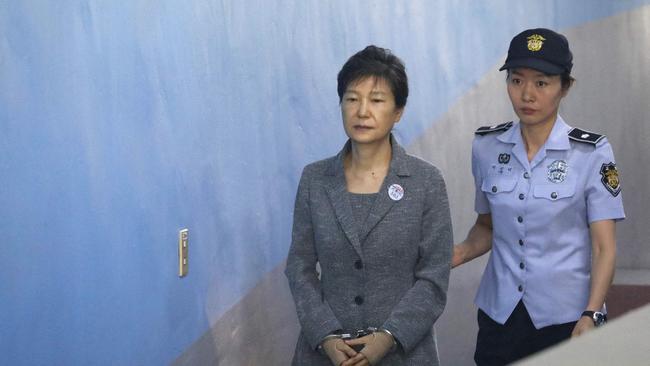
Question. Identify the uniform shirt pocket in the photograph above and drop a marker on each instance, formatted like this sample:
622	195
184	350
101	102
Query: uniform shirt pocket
554	192
497	185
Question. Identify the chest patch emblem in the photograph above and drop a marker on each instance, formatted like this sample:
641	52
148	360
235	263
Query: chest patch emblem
609	178
557	171
504	158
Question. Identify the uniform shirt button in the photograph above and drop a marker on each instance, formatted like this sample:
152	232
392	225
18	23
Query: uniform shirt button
521	242
520	219
521	265
358	300
526	175
494	189
358	264
554	195
520	288
521	196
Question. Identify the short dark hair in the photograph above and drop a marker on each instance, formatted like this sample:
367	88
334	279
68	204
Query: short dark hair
567	80
376	62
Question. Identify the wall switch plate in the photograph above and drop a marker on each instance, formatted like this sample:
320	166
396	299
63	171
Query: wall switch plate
183	251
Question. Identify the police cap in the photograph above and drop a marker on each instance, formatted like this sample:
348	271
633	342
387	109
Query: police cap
540	49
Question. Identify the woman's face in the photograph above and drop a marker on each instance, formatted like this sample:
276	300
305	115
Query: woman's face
368	110
535	96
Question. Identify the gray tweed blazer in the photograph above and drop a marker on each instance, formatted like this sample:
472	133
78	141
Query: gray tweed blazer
393	273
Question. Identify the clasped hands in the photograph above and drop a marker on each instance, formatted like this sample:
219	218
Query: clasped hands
374	347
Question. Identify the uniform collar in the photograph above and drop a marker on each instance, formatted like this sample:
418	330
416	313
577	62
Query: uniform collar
557	140
559	137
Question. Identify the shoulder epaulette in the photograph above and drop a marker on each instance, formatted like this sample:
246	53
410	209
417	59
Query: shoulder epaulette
489	129
587	137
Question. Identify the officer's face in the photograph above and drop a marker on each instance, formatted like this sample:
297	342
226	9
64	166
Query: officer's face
368	110
535	96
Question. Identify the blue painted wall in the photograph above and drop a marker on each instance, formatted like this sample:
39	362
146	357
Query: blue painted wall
123	122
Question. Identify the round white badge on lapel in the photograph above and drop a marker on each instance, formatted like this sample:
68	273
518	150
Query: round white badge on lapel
395	192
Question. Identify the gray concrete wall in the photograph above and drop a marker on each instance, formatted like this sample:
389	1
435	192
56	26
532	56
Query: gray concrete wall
261	330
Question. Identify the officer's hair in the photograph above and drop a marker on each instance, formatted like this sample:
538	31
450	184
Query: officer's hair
376	62
566	79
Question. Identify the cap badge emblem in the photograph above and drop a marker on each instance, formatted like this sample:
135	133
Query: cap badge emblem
535	42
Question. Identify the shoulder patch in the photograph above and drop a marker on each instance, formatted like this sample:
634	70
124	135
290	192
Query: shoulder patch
587	137
610	179
489	129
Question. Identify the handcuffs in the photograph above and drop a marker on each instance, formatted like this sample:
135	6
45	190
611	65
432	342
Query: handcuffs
358	334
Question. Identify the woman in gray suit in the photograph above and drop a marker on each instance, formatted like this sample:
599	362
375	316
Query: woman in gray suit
377	222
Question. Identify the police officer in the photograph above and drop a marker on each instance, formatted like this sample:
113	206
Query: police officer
547	198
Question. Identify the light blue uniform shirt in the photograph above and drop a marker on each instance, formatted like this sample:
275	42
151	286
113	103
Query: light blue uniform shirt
541	211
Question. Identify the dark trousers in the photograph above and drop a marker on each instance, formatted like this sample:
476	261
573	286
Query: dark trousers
501	344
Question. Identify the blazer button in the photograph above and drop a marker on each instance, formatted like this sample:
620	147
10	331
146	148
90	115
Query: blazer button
520	219
521	265
494	189
521	242
526	175
521	196
358	300
358	264
554	195
520	288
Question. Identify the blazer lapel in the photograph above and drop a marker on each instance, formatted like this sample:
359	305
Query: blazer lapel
337	192
384	202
